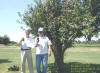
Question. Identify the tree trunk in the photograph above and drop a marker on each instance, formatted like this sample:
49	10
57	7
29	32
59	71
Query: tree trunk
89	37
59	60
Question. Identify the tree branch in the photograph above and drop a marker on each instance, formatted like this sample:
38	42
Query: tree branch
68	43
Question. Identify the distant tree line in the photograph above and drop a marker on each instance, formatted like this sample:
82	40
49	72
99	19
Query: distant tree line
5	40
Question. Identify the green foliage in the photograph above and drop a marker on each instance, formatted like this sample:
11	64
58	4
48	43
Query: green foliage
12	43
4	40
94	9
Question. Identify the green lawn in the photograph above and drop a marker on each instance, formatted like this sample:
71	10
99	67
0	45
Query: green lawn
75	57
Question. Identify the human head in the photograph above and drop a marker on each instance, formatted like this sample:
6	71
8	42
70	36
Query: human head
27	32
40	32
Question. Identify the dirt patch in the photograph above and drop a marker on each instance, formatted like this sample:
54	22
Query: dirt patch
1	45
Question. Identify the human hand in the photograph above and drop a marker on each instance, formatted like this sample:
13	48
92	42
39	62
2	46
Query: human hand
37	41
49	53
22	39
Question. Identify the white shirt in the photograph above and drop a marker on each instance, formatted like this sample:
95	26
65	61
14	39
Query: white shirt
43	45
28	43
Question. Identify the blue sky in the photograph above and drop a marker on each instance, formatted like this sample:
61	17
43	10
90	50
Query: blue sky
9	16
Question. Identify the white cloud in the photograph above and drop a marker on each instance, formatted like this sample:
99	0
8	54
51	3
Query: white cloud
95	38
84	39
16	36
80	39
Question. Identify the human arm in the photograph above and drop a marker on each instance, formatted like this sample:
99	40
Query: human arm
20	42
49	47
36	42
49	50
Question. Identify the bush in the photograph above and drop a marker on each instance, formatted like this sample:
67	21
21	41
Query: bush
4	40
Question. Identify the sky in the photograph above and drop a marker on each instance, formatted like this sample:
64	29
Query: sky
9	16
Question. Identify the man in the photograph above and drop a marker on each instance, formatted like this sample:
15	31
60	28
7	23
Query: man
43	50
26	45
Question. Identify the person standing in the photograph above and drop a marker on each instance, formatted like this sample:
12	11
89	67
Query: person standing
43	50
26	45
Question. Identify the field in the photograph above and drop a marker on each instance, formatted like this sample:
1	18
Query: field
81	58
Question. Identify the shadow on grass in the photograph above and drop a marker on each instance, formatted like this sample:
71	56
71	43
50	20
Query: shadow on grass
4	61
76	67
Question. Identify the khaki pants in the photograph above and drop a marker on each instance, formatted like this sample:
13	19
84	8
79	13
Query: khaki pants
26	54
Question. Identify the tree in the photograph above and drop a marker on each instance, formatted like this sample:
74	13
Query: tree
4	40
63	21
1	40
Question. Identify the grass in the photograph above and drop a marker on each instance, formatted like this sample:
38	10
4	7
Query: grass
77	59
